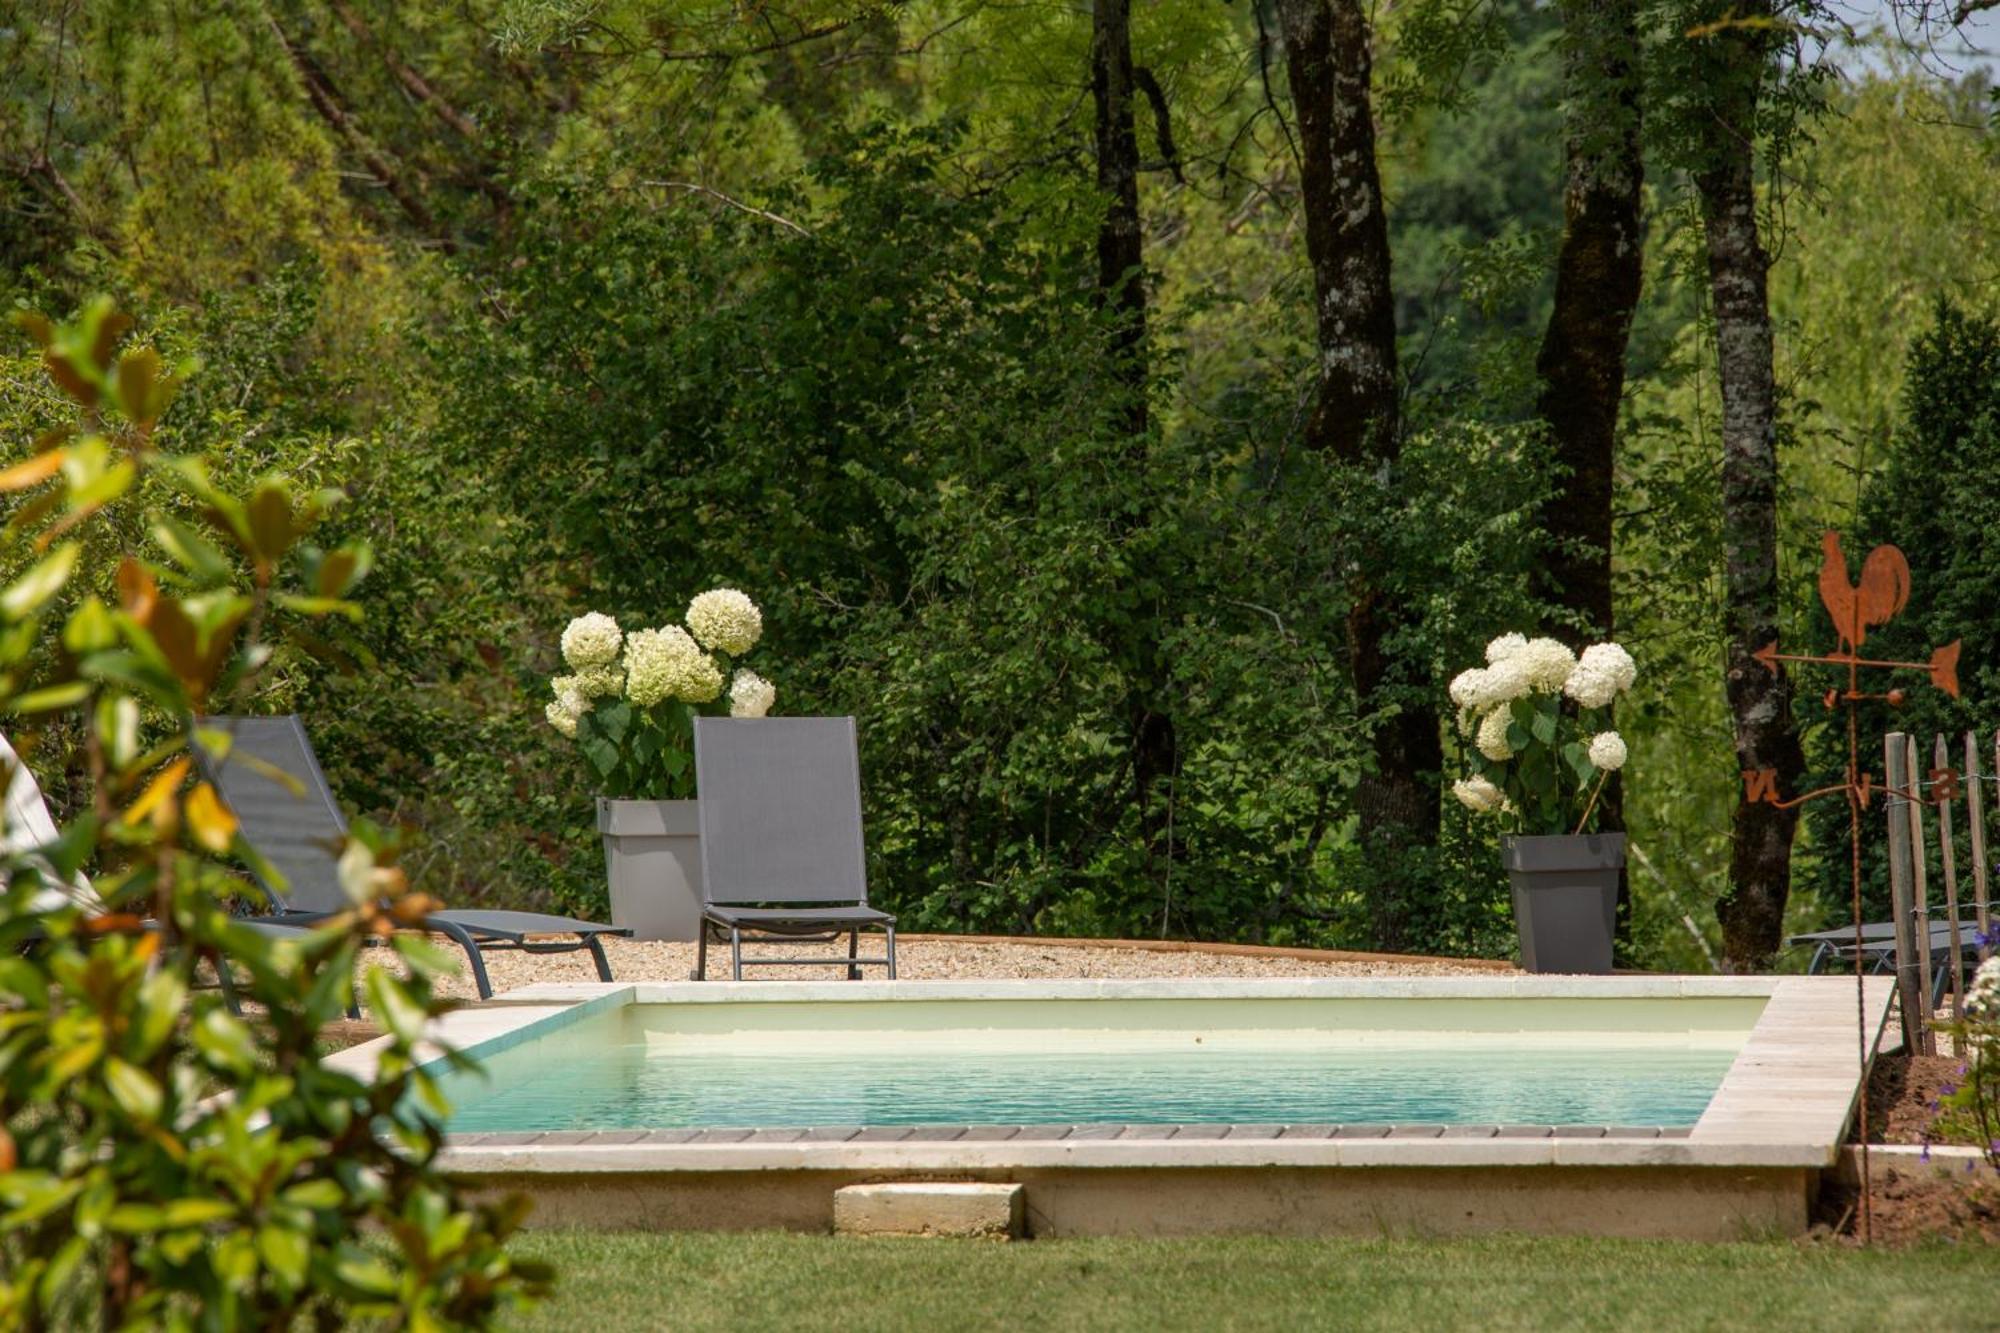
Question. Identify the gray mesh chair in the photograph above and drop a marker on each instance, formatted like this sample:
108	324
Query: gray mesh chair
28	827
781	853
300	835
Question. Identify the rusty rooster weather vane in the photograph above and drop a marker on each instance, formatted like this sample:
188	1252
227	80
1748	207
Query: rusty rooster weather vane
1883	592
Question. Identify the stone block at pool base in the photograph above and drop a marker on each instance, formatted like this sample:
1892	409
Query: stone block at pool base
929	1208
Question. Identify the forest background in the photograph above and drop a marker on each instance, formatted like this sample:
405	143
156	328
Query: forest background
991	347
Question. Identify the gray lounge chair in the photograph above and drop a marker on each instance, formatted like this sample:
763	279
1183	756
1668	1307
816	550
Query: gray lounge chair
1878	949
781	852
300	834
29	827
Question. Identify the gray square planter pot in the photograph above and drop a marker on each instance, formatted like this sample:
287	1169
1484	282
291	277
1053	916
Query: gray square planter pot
1565	898
652	857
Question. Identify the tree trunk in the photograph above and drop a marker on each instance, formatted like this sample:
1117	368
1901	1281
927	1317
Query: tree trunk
1760	703
1121	286
1355	415
1121	295
1599	272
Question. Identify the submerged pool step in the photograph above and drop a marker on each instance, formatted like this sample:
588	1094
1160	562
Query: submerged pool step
930	1208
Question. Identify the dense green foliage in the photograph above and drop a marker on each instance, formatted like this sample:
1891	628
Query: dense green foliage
164	1161
593	306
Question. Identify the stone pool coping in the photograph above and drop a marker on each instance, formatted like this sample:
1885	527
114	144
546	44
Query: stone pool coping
1784	1103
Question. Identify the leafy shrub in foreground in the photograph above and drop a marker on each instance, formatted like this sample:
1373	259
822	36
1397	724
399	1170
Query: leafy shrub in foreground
165	1163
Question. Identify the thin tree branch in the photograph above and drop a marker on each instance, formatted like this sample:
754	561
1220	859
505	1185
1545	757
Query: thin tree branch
325	99
695	187
1142	78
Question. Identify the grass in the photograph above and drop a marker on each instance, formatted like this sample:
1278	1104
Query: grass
620	1281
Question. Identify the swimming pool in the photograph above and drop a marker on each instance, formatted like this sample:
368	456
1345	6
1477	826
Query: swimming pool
1154	1107
1245	1059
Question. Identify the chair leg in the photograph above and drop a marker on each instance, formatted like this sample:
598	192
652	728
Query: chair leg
853	952
225	983
736	953
596	946
701	951
891	931
457	934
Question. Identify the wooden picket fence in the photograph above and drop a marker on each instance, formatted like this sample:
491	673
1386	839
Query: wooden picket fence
1922	801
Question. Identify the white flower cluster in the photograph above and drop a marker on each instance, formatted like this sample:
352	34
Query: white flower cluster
1518	667
591	640
663	664
1604	672
1982	993
726	621
750	695
649	667
1479	794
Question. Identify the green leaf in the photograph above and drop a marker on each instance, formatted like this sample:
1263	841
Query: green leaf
194	1212
365	1272
192	551
136	1092
1543	726
285	1253
393	1007
39	584
51	698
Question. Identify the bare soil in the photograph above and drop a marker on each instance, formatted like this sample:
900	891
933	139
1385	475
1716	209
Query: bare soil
1903	1093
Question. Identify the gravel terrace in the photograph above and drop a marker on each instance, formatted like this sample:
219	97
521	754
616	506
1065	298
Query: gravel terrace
939	958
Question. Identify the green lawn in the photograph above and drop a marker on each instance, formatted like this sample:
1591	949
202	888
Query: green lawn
681	1282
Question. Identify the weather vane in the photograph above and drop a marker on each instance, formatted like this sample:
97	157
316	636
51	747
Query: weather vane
1884	591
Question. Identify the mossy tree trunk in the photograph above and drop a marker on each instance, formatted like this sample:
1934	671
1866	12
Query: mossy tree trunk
1599	274
1760	703
1355	415
1121	293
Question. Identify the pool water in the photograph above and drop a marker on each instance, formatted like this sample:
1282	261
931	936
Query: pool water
631	1083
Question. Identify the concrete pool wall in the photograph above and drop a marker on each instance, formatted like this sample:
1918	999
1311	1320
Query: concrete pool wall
1748	1166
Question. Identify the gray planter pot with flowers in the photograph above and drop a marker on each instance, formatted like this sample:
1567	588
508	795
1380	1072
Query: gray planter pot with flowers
1539	718
630	704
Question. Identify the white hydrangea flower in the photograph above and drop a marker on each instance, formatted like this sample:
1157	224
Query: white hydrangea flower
725	620
605	682
1545	662
1505	647
591	640
663	664
1607	751
1478	794
1482	688
1492	739
1604	672
1982	993
564	711
1468	687
750	695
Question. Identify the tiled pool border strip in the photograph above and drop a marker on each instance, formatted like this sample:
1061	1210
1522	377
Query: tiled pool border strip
1206	1133
1785	1101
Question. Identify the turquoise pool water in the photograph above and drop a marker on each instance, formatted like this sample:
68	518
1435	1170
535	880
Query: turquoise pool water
557	1084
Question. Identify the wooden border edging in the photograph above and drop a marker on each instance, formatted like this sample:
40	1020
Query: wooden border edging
1227	950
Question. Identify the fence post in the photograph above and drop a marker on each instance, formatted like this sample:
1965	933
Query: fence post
1920	887
1909	1000
1948	858
1976	816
